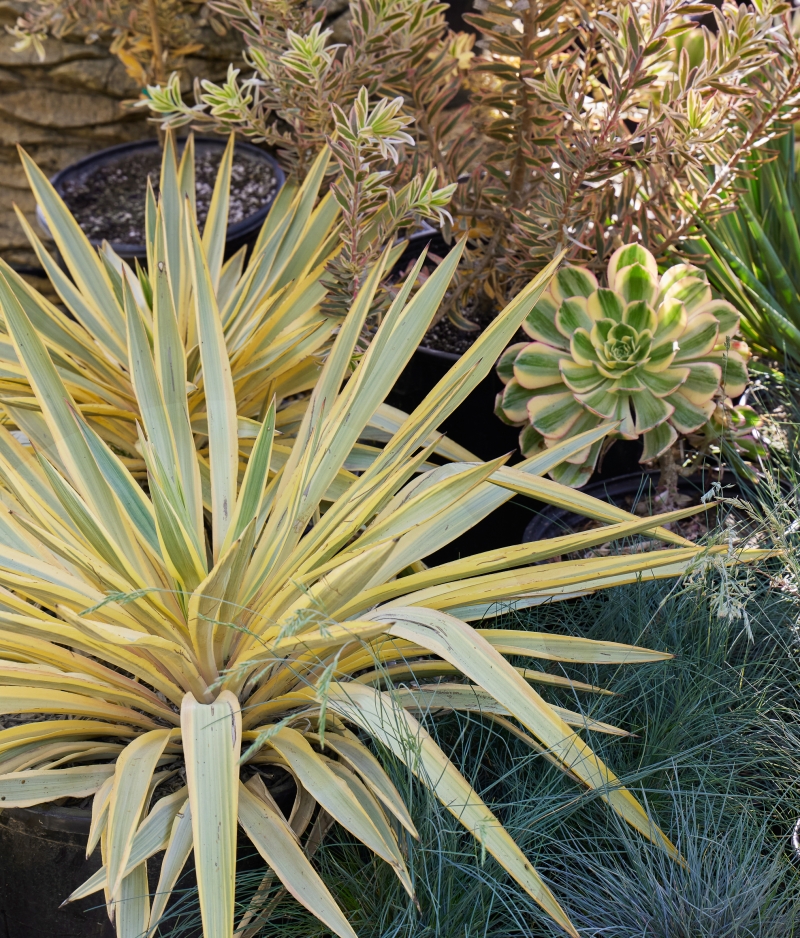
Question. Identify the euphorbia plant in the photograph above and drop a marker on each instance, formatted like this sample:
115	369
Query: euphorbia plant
652	356
245	611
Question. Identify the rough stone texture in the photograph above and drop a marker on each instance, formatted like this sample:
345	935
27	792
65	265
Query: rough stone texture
74	102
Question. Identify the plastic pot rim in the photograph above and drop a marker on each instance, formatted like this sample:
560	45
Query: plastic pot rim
102	157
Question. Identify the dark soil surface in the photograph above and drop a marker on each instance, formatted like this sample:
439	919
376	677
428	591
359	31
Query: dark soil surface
444	335
447	337
109	203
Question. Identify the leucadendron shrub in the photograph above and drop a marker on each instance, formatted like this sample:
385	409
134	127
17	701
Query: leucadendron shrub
239	611
650	356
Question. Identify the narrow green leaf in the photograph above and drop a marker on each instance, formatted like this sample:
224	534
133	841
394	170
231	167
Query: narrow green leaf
132	776
177	853
212	737
216	226
277	844
219	393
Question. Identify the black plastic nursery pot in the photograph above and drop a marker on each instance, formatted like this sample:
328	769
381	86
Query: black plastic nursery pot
625	491
474	425
42	860
80	181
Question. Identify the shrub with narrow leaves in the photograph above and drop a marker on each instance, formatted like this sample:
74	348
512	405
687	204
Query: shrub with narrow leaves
652	355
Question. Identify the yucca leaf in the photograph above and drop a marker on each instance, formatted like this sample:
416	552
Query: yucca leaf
505	558
152	836
473	699
216	226
212	737
276	843
230	275
567	648
181	553
220	398
99	820
150	209
23	475
155	416
387	420
379	820
78	305
58	408
279	215
132	775
331	793
408	740
85	267
430	494
132	908
298	227
172	208
58	331
14	673
454	641
562	496
36	786
186	174
138	509
177	853
208	595
255	479
170	360
362	761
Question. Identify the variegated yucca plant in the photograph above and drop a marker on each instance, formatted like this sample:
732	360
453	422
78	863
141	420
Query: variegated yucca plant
236	612
270	312
655	355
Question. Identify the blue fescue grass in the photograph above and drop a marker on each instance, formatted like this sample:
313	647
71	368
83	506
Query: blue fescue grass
716	759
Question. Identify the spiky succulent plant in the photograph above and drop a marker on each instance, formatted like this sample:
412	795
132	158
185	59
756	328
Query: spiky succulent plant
246	611
652	355
270	308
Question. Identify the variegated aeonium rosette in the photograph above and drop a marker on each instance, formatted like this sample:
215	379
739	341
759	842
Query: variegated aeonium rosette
655	354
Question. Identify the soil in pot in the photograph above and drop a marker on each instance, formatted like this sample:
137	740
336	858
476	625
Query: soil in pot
109	203
444	336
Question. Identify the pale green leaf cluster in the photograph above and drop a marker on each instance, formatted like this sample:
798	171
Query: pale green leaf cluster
365	139
651	356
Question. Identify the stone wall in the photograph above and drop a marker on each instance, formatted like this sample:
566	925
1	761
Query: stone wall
71	104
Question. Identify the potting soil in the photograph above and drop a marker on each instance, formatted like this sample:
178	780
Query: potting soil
109	203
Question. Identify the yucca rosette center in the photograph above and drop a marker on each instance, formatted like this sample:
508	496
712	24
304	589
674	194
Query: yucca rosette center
652	354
